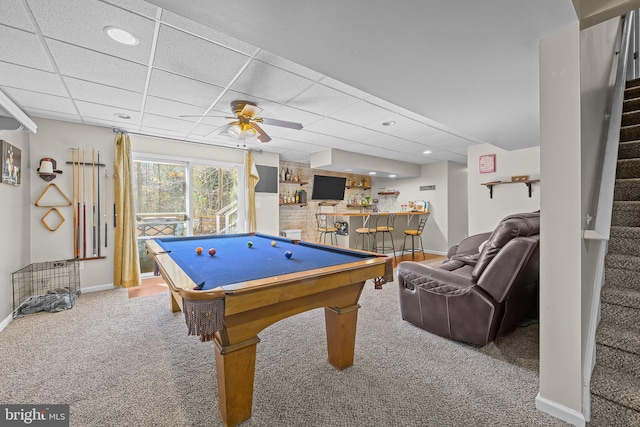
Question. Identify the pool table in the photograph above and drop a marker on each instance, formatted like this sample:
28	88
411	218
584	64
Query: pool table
250	284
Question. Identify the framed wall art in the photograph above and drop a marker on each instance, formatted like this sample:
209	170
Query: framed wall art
11	164
488	163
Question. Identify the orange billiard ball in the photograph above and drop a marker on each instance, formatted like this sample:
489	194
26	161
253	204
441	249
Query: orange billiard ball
212	251
199	250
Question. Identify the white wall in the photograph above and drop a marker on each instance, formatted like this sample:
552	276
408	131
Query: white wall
484	212
267	208
561	235
447	224
14	215
55	140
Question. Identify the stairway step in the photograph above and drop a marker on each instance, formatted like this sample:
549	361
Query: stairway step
613	358
629	105
631	132
631	117
628	168
626	214
622	278
627	189
621	315
623	298
632	92
622	261
632	83
618	337
624	240
616	386
605	413
629	149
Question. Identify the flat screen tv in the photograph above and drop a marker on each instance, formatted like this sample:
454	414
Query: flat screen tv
328	187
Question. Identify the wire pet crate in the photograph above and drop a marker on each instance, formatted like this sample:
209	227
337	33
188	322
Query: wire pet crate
45	286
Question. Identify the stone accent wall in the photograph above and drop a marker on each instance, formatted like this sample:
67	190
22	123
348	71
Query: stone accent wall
303	217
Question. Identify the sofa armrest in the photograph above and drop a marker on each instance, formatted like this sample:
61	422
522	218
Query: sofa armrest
436	280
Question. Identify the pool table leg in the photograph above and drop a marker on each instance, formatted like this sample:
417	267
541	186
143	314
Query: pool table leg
235	368
341	334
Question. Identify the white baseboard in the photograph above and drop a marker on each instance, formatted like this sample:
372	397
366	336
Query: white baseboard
560	411
436	253
6	322
97	288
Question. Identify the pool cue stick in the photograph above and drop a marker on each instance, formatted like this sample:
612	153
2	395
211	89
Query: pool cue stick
106	199
93	201
99	247
78	201
84	203
73	180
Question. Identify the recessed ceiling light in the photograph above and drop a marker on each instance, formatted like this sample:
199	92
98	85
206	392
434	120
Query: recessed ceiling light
121	36
372	173
393	175
426	152
389	123
122	116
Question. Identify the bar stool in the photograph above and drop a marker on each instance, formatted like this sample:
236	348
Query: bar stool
324	228
385	229
414	233
368	231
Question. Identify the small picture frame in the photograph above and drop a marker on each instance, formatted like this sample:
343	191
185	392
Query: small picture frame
11	158
487	163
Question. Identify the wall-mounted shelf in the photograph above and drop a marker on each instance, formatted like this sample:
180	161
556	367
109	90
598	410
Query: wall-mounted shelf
294	182
389	193
360	187
328	204
293	204
358	206
490	185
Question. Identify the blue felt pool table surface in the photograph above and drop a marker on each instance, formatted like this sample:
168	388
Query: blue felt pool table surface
236	262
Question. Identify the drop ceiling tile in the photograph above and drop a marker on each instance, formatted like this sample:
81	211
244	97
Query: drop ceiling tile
102	94
182	89
24	49
119	123
55	115
215	120
96	67
307	137
417	132
140	7
269	82
202	60
173	109
401	122
16	76
342	87
206	32
42	101
458	146
161	122
290	66
360	113
13	14
323	100
161	132
203	130
438	139
330	127
382	103
106	112
82	24
452	157
360	134
294	115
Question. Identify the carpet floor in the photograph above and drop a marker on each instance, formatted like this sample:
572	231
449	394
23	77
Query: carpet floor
122	361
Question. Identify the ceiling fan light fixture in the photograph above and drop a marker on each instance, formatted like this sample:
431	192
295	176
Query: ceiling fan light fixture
121	36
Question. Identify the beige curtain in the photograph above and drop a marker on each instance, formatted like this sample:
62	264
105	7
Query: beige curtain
126	271
252	180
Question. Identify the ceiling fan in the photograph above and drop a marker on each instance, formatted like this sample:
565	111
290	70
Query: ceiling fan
245	123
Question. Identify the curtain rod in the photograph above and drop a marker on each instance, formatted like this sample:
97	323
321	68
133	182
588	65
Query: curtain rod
118	130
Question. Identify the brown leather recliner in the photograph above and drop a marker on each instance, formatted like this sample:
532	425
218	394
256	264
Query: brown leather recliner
488	284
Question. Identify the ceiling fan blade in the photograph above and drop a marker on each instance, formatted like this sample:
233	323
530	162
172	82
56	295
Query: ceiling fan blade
206	115
282	123
262	135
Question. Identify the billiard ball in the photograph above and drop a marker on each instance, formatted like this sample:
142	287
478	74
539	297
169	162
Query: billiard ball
288	254
212	251
249	244
273	243
199	250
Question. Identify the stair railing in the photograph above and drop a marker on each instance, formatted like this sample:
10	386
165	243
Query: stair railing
598	221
